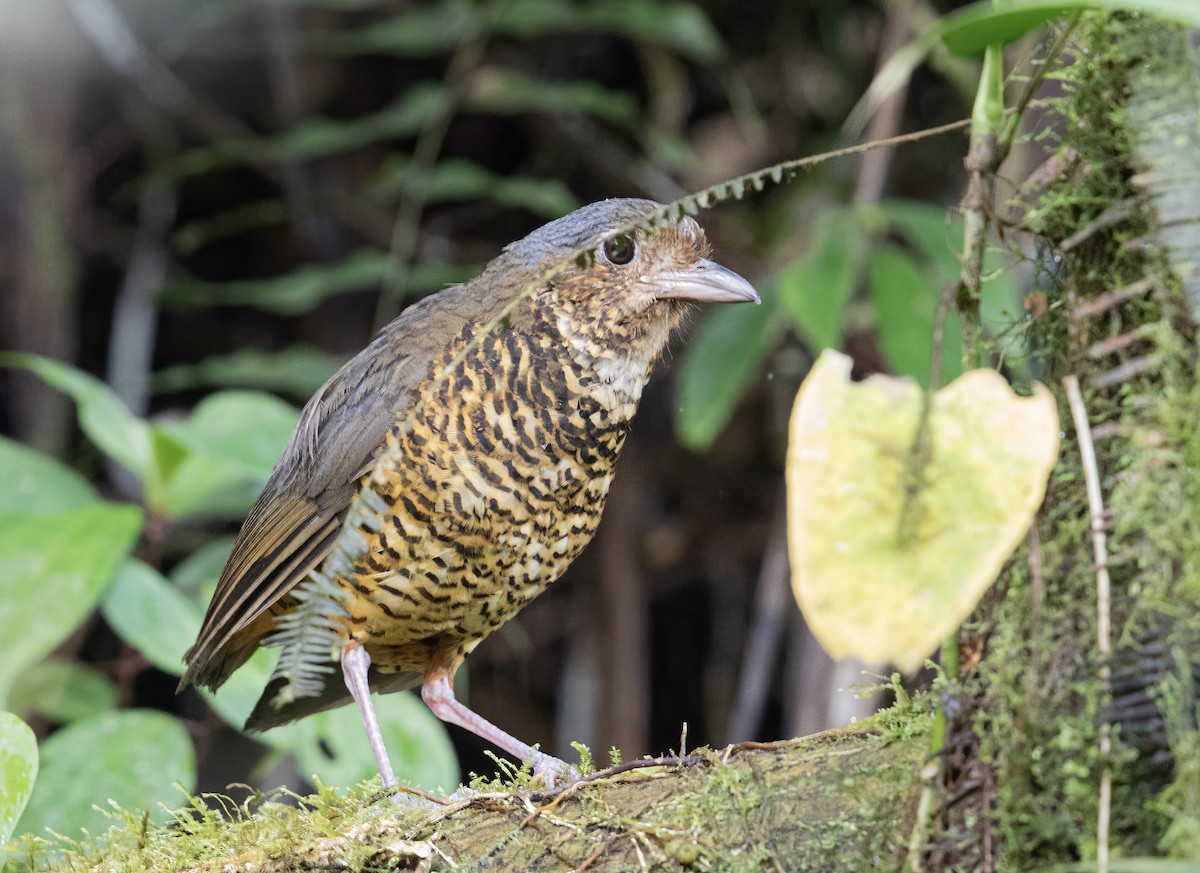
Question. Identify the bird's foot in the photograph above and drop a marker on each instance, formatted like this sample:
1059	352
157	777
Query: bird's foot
406	800
553	771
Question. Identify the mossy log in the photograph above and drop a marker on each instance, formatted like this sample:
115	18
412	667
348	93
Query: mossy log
841	801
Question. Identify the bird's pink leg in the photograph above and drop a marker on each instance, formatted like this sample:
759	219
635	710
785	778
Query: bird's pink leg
355	664
438	695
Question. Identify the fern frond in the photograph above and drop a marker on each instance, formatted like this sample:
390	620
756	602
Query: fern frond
310	635
309	639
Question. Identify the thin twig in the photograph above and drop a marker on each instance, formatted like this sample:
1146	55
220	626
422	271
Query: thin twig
1091	478
920	831
1115	214
1026	99
1110	299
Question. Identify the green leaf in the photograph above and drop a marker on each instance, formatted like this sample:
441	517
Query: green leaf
103	416
415	33
720	360
972	29
509	92
460	179
36	484
303	288
905	300
297	371
55	570
933	237
197	574
333	745
131	758
814	289
201	232
63	691
247	428
681	27
933	232
18	771
311	138
231	442
969	31
147	612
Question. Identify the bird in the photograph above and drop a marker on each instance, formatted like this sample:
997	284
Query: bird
484	423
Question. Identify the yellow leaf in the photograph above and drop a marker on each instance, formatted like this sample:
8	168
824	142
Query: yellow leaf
866	589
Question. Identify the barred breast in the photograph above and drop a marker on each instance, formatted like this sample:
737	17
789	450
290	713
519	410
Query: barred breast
495	483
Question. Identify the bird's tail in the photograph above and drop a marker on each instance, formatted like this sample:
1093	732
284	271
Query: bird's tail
267	715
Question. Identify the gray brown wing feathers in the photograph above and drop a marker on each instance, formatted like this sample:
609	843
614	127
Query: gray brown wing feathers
296	519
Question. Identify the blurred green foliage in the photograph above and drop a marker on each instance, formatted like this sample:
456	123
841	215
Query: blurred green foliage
879	269
66	552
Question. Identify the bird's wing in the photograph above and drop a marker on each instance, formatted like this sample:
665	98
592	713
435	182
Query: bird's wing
296	520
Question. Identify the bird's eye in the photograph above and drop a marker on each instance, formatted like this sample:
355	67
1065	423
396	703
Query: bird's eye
620	249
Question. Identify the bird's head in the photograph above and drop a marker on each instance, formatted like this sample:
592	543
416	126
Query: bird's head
616	310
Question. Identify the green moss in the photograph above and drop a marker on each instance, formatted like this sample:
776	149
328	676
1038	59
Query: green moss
838	802
1039	702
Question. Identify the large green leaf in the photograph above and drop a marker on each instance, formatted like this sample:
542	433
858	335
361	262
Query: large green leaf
933	237
133	758
62	691
18	771
103	416
36	484
312	137
883	568
197	574
230	442
247	428
415	33
333	745
720	360
905	300
933	232
53	571
151	615
814	289
494	91
154	617
970	30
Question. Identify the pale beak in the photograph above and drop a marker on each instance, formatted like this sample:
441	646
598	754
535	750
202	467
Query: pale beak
704	282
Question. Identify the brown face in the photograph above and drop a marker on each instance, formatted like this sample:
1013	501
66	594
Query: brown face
639	288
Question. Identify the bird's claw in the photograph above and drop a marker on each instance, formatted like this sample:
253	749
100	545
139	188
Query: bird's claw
553	771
